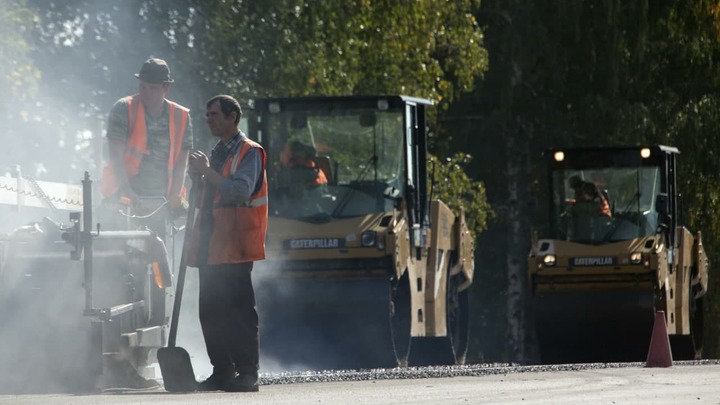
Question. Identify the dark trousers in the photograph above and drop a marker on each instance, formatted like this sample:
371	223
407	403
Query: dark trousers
228	317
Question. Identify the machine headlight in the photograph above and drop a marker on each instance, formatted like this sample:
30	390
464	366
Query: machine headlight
549	260
368	238
636	258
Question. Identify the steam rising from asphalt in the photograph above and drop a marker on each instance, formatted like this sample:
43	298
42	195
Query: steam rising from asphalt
40	337
45	337
190	333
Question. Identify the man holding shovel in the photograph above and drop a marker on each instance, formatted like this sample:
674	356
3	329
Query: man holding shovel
228	236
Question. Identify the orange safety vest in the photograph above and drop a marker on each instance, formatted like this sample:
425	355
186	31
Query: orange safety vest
320	178
136	147
604	206
238	230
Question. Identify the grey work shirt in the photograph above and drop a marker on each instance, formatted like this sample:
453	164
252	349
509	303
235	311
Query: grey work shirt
152	177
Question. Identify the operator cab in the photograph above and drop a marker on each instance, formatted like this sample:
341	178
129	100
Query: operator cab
331	158
606	195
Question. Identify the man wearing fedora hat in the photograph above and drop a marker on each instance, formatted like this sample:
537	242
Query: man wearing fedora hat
149	138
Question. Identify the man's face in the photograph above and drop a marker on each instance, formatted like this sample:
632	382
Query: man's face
153	94
217	122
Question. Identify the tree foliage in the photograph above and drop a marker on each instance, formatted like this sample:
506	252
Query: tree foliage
292	47
18	75
451	184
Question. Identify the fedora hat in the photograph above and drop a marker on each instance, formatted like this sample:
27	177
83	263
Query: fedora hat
155	70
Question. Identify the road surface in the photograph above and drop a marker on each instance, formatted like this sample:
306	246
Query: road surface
628	384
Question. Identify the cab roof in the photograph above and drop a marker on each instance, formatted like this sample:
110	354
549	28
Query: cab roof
320	99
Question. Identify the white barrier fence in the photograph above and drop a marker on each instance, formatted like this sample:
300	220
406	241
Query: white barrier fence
22	191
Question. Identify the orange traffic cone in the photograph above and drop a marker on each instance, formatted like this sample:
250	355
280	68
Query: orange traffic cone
659	354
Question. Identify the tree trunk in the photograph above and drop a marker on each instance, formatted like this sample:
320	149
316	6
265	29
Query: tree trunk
518	137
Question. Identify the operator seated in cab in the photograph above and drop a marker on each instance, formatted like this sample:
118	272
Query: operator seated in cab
588	198
299	172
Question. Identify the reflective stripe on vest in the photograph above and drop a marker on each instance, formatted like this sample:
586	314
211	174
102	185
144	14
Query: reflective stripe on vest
252	203
257	202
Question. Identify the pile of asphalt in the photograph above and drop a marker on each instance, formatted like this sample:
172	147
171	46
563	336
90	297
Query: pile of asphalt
470	370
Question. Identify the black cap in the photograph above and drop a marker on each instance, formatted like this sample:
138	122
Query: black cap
155	71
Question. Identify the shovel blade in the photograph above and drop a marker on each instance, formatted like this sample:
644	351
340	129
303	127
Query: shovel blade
176	369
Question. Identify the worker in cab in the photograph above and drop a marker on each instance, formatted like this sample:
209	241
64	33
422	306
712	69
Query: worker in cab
588	198
298	171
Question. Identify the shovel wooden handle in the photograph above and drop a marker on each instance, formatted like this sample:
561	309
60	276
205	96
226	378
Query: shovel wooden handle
194	195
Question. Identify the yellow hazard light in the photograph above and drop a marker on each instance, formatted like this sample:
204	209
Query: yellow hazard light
559	156
645	153
157	275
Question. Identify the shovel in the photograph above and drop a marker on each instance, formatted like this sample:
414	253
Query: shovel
175	365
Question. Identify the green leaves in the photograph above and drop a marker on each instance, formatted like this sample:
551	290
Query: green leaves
451	184
430	49
18	76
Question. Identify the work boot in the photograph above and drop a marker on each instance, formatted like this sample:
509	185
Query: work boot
242	383
216	381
